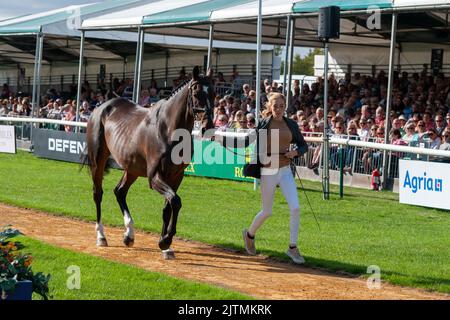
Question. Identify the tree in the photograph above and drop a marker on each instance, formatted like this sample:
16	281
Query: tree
305	65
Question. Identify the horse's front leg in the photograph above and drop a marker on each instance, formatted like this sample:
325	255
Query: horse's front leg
170	211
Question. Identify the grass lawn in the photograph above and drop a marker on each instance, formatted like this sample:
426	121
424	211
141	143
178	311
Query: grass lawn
410	244
105	280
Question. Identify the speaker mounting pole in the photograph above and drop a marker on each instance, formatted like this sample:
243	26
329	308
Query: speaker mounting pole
329	25
326	139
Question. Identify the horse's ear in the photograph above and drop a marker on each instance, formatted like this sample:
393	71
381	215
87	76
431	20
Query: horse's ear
210	73
196	73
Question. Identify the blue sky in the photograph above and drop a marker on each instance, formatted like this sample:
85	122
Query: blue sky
24	7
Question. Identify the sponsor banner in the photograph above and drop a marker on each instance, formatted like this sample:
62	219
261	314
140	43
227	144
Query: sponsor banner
59	145
219	162
209	160
425	183
7	139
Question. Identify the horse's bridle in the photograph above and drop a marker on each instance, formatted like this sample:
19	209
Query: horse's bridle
195	109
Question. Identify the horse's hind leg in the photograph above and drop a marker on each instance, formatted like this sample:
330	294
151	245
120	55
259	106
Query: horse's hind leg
121	191
97	177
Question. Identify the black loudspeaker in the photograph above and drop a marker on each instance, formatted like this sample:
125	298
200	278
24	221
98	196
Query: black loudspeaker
329	23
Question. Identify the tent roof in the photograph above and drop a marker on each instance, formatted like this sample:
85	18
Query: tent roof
134	16
315	5
35	23
200	11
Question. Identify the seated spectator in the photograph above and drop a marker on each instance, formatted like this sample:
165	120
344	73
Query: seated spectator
434	139
25	109
239	121
305	129
85	113
410	134
251	121
153	96
4	108
70	116
440	124
13	112
446	140
380	117
421	131
222	122
128	89
54	112
219	111
428	121
364	130
144	99
246	92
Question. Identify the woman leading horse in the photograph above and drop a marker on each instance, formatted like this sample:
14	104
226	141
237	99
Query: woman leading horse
140	141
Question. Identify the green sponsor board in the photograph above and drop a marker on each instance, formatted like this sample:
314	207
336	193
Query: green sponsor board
212	160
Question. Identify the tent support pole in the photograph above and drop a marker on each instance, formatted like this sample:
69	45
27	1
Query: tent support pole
291	61
389	98
39	71
138	64
34	102
34	106
210	47
80	71
258	71
286	48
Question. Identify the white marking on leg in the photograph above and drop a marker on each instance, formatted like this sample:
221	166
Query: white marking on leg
100	231
129	224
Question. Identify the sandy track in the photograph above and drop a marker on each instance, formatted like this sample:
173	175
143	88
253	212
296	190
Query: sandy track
258	276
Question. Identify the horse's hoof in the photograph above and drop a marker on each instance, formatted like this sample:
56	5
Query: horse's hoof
102	242
128	241
168	254
164	243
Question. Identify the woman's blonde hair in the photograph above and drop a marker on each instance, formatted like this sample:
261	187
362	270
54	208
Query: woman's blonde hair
272	97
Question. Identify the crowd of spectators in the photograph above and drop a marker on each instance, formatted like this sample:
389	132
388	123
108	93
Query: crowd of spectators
419	115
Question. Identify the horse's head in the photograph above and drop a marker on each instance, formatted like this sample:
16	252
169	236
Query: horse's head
203	94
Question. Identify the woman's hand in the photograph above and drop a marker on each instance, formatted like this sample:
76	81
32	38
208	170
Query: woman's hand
291	154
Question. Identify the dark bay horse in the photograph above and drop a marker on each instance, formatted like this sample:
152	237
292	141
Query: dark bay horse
140	140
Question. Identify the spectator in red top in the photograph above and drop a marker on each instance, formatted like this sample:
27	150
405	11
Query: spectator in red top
429	124
379	117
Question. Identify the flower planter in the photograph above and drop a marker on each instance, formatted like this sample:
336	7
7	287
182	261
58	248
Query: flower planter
22	291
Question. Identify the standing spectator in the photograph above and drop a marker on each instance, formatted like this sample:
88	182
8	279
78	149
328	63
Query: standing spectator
6	92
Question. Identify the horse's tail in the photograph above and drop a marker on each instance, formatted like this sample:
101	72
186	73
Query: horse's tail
95	136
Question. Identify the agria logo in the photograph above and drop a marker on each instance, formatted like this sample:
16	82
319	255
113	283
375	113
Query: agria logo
422	183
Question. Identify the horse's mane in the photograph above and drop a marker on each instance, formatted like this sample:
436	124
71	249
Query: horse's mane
178	89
